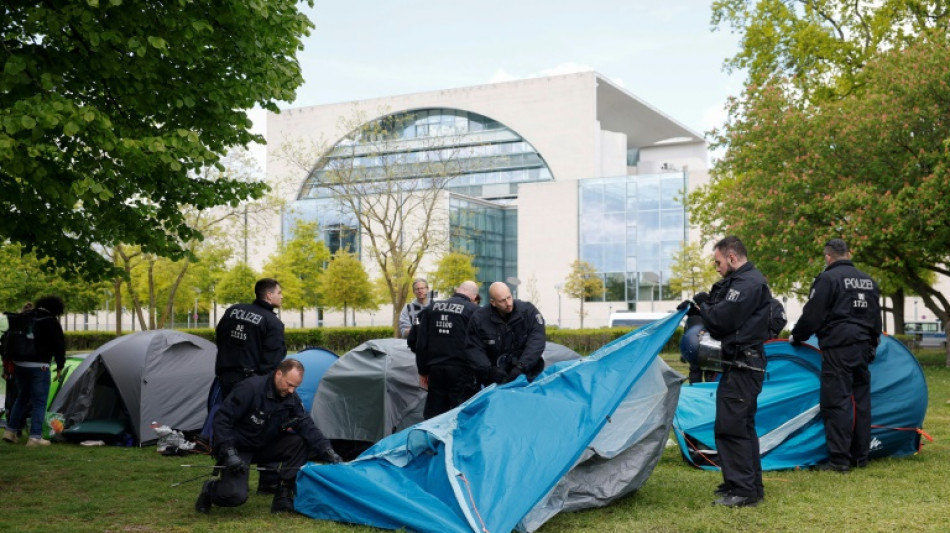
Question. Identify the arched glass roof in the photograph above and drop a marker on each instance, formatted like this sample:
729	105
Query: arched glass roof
465	152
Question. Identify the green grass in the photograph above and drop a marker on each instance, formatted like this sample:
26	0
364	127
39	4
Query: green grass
65	488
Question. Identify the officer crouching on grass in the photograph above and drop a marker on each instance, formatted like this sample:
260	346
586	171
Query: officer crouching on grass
263	421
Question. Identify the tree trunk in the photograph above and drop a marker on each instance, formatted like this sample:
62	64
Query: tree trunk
897	310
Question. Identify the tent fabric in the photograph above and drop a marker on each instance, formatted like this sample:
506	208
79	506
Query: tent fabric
486	464
315	361
158	375
788	421
373	390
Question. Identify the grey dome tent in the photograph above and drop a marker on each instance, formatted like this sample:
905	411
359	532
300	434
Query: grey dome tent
133	380
373	391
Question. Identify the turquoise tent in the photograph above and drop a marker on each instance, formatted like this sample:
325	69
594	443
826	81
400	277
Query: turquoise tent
492	461
790	429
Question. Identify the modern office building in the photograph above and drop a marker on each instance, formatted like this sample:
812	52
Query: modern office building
531	175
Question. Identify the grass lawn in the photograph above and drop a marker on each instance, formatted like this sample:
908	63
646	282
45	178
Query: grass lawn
66	488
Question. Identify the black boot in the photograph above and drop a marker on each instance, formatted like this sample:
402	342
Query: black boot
268	481
283	499
203	503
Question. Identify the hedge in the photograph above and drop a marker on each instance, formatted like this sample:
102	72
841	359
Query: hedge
342	340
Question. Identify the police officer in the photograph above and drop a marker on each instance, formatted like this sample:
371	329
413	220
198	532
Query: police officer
440	351
263	421
250	337
736	312
505	339
843	310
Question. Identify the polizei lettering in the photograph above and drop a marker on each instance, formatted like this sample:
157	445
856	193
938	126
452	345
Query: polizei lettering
246	316
448	307
858	283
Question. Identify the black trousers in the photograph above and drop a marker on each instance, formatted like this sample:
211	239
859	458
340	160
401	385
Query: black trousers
449	387
736	439
288	453
846	402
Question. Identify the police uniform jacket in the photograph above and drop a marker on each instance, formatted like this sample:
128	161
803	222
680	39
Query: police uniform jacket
738	310
254	415
250	337
517	342
441	333
843	308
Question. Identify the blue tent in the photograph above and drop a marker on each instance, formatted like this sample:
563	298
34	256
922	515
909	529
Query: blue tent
790	429
316	361
486	464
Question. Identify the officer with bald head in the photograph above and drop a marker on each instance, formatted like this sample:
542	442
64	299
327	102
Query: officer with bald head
506	339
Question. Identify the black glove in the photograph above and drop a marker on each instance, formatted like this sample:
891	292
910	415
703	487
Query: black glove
232	461
793	341
327	455
685	304
700	298
514	373
872	352
497	375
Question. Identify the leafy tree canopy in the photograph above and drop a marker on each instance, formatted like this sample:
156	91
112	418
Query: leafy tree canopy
108	110
819	47
872	168
452	270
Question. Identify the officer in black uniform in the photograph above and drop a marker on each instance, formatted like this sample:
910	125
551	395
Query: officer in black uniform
250	337
843	310
440	350
736	312
263	421
505	339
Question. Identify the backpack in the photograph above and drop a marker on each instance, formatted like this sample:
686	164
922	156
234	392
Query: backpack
777	318
17	342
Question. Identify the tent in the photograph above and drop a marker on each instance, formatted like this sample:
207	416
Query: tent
315	361
133	380
788	422
373	391
495	462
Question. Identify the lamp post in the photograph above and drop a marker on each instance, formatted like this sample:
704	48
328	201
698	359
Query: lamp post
653	279
559	287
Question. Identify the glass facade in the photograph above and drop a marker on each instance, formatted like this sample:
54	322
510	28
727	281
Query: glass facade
630	229
475	155
487	231
465	153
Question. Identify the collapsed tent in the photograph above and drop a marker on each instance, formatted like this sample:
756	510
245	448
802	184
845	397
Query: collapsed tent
499	460
133	380
315	361
788	422
374	391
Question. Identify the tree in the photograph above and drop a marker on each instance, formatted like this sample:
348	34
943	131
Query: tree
345	285
393	194
872	168
451	271
300	262
583	283
237	285
818	48
108	114
692	270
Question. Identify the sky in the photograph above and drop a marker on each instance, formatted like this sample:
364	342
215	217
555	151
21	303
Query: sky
663	52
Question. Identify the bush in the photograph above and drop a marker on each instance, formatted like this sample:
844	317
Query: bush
337	340
587	341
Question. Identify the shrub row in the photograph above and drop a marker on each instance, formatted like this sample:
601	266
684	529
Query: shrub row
337	340
342	340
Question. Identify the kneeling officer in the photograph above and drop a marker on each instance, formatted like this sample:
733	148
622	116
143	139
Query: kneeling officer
263	421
